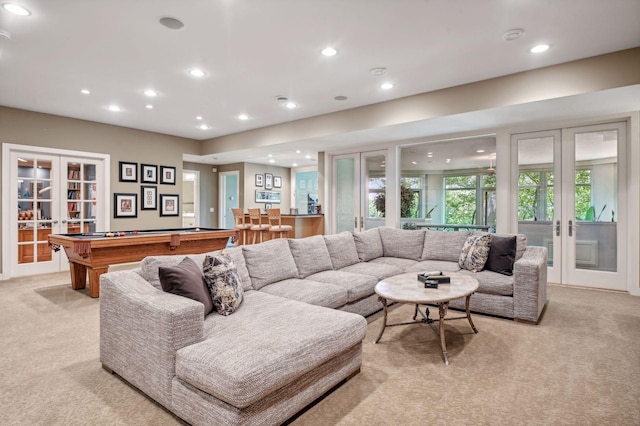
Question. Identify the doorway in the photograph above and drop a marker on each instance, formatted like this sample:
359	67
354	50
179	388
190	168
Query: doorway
55	192
190	203
229	190
359	194
571	199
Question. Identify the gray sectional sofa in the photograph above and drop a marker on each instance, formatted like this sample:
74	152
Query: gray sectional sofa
282	348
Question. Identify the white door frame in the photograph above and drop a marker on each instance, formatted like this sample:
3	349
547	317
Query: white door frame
9	213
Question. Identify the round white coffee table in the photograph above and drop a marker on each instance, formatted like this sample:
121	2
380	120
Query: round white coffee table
406	288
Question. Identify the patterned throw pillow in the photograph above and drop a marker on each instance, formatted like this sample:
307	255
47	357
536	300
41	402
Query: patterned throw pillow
224	284
475	252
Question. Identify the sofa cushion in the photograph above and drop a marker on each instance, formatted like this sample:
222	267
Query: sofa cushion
502	255
268	343
342	249
238	259
269	262
395	261
492	283
311	255
475	252
442	245
313	292
357	285
150	264
224	284
186	279
377	270
402	243
368	244
435	265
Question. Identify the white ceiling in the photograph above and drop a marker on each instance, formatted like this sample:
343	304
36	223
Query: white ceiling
255	50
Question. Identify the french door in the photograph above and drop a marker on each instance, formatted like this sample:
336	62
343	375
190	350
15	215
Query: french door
359	184
229	187
54	194
572	200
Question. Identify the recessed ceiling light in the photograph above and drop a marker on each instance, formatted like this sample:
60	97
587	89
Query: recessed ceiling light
294	165
204	127
329	51
291	105
269	155
151	93
414	162
171	23
448	160
85	91
386	86
308	157
16	9
272	161
513	34
298	151
539	48
198	117
480	150
196	72
148	106
243	117
114	108
429	155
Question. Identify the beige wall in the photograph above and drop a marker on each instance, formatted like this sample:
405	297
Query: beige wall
250	170
122	144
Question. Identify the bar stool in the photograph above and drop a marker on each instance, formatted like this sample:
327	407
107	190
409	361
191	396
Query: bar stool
257	227
275	223
240	224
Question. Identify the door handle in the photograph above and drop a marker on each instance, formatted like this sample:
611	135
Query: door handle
355	222
570	228
557	228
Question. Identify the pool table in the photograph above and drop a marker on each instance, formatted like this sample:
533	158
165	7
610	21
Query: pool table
94	252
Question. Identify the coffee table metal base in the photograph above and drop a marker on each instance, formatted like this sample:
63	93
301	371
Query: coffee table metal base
443	307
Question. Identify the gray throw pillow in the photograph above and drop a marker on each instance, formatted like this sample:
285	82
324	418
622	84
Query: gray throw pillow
186	279
368	244
342	249
311	255
475	252
221	277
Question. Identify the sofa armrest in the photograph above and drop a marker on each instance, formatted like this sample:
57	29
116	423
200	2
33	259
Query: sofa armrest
141	328
530	284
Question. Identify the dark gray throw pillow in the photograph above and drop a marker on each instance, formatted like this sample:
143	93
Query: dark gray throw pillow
186	279
502	255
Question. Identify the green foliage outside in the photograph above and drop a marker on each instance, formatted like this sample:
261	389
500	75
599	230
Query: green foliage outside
460	200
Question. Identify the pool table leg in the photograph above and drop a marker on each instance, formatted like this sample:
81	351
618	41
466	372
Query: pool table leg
78	276
94	280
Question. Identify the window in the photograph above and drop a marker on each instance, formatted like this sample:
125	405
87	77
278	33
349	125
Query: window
584	207
460	199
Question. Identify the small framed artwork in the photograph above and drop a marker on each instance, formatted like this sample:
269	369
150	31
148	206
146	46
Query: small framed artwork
128	172
125	205
268	181
259	181
167	175
169	205
149	173
149	195
277	181
268	206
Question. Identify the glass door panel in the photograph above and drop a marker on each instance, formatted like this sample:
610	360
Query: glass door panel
595	216
538	159
346	193
81	201
374	182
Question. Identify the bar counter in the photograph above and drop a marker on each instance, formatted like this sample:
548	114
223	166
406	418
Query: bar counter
304	225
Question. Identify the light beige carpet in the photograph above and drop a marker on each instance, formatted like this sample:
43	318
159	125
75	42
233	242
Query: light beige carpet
579	366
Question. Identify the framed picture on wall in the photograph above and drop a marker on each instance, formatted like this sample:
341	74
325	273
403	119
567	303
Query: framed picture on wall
277	181
149	196
149	173
259	180
169	205
268	206
268	181
128	172
125	205
167	175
